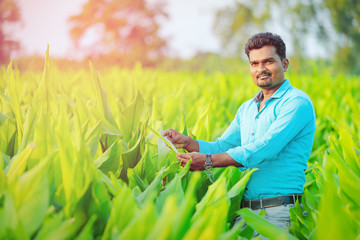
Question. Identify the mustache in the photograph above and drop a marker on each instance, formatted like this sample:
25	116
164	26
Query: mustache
265	73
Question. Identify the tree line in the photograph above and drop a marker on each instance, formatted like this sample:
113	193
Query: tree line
128	30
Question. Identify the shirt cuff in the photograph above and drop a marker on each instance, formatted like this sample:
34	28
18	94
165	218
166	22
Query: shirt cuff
204	147
239	155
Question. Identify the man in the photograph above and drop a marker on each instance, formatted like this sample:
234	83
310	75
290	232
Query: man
273	132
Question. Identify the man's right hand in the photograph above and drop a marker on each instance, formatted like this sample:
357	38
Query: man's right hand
181	141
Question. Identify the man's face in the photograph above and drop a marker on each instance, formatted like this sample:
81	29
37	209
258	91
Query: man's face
266	68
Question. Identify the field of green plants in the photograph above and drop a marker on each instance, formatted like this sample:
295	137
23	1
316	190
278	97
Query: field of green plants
79	159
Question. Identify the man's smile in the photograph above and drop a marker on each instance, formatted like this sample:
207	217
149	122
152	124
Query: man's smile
263	76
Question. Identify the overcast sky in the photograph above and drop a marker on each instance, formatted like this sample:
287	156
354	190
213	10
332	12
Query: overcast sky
189	27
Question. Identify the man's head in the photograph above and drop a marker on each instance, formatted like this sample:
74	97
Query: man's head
268	62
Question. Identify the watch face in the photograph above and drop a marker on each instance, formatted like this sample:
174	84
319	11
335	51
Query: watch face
208	166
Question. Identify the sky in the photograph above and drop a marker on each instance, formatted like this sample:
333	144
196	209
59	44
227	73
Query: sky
189	27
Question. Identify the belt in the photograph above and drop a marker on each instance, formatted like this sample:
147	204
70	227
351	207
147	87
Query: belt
270	202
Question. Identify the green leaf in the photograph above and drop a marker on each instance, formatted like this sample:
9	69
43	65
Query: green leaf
29	124
111	159
141	224
11	227
263	226
124	207
44	138
215	193
205	223
100	205
43	93
201	128
234	231
66	229
4	160
18	163
87	231
153	187
183	123
239	187
162	228
8	138
135	180
173	189
131	158
330	227
130	117
31	194
210	176
92	137
3	179
101	98
51	222
15	105
3	117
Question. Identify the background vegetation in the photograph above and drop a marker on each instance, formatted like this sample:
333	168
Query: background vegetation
78	158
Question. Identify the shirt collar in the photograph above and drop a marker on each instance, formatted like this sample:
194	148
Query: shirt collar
278	94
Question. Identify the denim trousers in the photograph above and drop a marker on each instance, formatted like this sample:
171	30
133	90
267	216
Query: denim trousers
279	216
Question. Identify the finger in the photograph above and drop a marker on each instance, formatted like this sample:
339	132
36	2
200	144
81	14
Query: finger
182	159
183	163
177	145
166	133
183	155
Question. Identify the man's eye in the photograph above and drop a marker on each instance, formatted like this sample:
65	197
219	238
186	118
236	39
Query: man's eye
253	64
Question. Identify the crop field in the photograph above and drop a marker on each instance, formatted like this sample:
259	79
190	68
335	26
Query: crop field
79	159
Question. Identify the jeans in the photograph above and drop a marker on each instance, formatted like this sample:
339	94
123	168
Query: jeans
279	216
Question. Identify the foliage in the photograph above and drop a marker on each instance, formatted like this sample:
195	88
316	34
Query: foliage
128	30
335	25
345	17
78	158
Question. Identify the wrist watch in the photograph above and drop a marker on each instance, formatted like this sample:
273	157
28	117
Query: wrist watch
208	164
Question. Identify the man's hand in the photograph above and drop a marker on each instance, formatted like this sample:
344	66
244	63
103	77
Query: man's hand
180	140
198	160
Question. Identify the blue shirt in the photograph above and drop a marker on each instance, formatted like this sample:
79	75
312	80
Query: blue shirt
277	140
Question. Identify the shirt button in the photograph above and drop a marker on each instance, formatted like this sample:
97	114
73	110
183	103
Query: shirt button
257	117
252	134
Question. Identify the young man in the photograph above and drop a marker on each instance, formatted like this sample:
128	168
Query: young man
273	132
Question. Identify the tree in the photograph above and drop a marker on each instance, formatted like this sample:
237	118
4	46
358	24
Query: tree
128	30
335	24
235	23
9	13
345	17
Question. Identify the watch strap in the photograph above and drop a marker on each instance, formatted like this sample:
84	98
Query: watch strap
208	158
208	163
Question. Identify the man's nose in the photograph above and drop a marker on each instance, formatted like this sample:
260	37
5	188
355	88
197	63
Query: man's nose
261	67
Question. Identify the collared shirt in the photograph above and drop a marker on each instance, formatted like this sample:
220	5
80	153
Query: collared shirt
277	140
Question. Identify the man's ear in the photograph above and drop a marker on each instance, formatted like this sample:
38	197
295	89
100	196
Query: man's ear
285	63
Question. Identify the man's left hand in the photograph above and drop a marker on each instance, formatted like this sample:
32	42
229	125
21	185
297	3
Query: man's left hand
198	160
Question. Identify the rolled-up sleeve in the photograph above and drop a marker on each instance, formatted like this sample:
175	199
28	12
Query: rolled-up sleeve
229	139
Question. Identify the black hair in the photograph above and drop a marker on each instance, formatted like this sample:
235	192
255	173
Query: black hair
266	39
